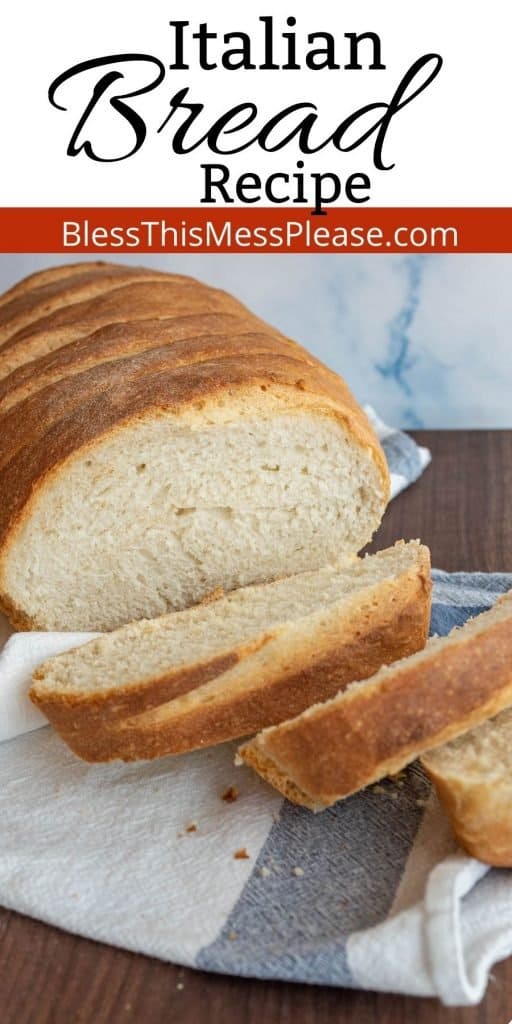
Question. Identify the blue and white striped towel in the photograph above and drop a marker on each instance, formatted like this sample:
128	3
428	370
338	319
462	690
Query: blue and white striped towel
372	893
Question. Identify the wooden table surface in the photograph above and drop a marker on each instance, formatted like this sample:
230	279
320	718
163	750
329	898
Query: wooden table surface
461	508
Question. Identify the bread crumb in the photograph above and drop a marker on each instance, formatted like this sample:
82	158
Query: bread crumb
421	803
241	854
214	595
180	986
192	827
239	761
265	872
230	795
379	790
298	872
232	937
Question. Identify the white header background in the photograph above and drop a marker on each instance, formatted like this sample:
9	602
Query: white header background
451	146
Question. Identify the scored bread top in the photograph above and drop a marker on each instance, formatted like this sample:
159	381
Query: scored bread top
125	299
121	340
29	306
50	274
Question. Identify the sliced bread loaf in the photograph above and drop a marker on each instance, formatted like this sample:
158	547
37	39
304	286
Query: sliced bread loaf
229	667
473	779
378	726
142	468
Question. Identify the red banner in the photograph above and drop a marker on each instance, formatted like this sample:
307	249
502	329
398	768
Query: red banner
262	229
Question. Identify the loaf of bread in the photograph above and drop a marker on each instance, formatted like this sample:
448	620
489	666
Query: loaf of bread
29	305
51	274
378	726
232	666
158	441
473	779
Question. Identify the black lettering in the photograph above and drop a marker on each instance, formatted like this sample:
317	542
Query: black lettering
324	56
129	115
210	184
355	39
217	128
179	62
399	100
221	125
291	48
269	188
243	54
194	109
269	64
246	183
321	196
302	130
355	182
203	36
299	178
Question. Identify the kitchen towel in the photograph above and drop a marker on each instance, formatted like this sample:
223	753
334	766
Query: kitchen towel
406	459
158	857
198	862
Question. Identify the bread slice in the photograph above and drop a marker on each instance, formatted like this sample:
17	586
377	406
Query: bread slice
378	726
229	667
473	779
143	467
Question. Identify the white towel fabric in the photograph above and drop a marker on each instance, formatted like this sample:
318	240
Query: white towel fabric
21	654
372	893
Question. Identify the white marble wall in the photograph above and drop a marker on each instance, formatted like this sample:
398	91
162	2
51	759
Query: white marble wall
425	339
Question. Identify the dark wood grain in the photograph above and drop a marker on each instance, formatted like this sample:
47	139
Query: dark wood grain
461	508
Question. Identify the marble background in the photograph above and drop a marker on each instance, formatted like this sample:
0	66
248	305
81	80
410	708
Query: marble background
425	339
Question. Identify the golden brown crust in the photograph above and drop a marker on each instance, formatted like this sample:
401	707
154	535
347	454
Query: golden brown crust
480	813
376	730
128	302
120	340
302	665
51	274
142	295
26	308
76	713
30	419
43	445
84	400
